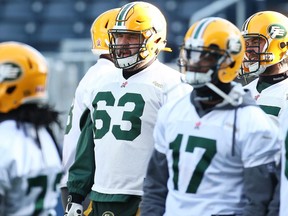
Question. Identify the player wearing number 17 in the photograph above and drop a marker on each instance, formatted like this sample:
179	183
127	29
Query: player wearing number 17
213	147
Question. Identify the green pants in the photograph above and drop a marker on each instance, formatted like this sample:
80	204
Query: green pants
128	207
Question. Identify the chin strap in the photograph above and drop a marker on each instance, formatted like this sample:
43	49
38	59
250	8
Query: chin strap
234	97
127	62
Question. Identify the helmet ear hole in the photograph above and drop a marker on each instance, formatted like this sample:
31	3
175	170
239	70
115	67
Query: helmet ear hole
10	89
282	45
232	64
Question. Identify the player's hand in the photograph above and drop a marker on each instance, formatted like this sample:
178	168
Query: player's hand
73	209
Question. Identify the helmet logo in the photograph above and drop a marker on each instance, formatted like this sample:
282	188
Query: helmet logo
234	45
9	72
276	31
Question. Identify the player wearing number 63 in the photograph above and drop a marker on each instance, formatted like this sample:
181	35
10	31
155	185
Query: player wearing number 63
84	93
214	148
116	142
30	164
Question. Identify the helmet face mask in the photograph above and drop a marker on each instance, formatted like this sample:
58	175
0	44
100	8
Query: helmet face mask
201	63
213	51
255	54
266	39
148	23
126	54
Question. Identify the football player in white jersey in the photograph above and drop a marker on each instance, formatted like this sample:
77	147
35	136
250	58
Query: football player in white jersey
214	147
123	114
266	55
30	162
78	112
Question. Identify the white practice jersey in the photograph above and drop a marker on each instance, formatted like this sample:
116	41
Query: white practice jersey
205	167
124	114
84	90
273	100
29	176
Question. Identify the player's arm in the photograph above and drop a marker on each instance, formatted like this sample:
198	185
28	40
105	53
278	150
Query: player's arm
73	131
155	183
81	173
155	186
260	154
259	186
274	205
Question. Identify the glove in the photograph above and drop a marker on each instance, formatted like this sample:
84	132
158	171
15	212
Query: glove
73	209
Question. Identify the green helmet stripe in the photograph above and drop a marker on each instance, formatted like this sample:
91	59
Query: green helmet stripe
246	23
200	28
123	13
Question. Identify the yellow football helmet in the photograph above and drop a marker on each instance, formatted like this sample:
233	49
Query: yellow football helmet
271	27
23	73
99	31
212	51
145	21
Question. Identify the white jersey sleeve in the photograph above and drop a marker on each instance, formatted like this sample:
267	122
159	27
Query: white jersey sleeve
80	103
29	173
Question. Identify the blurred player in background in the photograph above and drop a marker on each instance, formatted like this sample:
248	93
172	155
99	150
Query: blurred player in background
206	160
30	163
123	114
266	38
79	109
